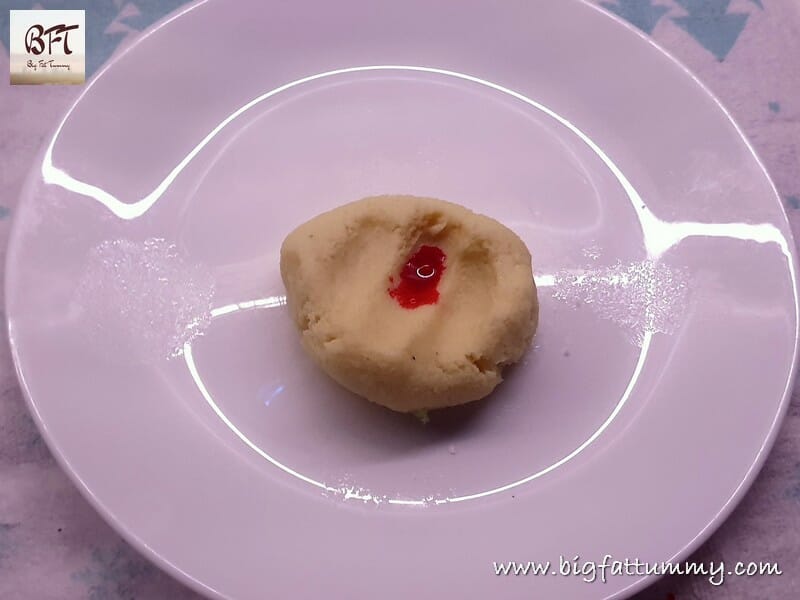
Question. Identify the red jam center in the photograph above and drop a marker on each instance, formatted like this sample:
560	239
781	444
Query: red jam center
419	278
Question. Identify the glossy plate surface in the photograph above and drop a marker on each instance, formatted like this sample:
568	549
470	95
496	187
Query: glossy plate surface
148	321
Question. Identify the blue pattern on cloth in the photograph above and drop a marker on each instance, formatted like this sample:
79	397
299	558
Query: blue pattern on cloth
108	22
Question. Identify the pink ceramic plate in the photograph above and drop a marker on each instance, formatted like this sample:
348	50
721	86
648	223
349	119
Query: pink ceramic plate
149	326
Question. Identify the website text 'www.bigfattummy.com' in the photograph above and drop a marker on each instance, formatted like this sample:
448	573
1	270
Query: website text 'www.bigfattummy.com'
592	571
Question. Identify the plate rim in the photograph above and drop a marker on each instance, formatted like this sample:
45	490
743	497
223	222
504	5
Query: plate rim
198	586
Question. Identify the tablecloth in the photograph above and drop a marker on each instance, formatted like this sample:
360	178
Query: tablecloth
53	545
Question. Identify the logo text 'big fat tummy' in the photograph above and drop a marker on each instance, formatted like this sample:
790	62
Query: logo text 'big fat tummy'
47	46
